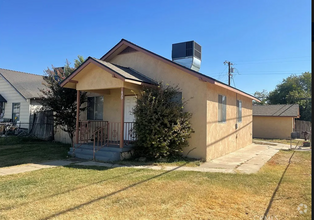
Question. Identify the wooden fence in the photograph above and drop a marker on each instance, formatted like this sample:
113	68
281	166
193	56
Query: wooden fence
301	127
41	125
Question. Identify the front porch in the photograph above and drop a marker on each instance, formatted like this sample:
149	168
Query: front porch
107	125
101	140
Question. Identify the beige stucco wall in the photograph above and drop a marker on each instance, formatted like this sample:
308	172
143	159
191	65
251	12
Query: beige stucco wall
211	139
272	127
96	78
192	89
223	138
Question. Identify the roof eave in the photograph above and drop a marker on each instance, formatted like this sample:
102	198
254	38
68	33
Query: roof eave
185	69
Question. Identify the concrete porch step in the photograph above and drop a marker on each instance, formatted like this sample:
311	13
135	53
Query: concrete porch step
113	148
104	154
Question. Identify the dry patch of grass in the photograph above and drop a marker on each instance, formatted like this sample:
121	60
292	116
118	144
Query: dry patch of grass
77	192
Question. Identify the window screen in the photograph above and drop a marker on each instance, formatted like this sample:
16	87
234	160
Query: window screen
177	98
222	108
239	111
95	108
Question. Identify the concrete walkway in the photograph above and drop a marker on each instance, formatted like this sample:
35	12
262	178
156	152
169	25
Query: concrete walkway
245	160
32	166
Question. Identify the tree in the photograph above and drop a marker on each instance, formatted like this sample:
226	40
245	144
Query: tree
62	101
295	90
162	126
261	96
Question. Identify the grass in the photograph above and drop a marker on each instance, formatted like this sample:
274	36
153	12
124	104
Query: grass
21	150
76	192
188	162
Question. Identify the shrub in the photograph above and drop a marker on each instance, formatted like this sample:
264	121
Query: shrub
162	126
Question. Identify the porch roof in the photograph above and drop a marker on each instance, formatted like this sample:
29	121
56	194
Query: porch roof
124	73
127	72
2	99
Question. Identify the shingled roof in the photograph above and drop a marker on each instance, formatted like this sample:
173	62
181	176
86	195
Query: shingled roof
126	72
291	110
26	84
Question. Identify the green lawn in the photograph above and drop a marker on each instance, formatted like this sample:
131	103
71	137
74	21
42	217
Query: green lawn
76	192
18	150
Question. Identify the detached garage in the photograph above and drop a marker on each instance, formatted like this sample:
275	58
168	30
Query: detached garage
274	121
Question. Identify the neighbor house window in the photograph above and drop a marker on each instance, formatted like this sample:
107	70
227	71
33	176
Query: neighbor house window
239	111
15	112
1	109
95	108
222	101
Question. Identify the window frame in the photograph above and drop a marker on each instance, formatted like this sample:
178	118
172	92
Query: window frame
2	108
222	108
94	112
15	113
239	111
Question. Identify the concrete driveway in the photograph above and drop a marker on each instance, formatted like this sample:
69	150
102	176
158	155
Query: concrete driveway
248	159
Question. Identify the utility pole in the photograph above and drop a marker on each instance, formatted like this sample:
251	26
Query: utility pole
230	70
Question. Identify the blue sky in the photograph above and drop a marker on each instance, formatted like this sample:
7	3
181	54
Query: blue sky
266	40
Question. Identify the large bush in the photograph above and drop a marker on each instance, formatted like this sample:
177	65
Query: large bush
162	126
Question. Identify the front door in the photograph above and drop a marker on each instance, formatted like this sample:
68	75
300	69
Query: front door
129	104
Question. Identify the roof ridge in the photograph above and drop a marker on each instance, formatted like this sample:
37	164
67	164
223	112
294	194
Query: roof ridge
20	72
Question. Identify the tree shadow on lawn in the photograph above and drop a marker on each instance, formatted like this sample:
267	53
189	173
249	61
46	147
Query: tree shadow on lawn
94	183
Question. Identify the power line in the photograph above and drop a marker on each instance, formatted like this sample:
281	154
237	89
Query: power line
273	59
259	62
220	74
264	73
258	74
233	82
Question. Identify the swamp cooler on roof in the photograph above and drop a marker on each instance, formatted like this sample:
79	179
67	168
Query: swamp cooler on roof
187	54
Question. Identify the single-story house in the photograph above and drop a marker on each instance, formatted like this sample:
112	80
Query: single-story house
274	121
19	94
222	115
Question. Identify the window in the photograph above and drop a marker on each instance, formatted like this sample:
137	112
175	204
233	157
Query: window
95	108
1	109
239	111
222	100
15	112
177	98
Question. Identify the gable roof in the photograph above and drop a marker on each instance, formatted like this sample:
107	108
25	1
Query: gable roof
26	84
124	45
290	110
124	73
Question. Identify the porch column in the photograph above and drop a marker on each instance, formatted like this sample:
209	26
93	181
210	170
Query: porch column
122	119
78	103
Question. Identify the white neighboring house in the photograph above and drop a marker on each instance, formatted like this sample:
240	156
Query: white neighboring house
19	94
